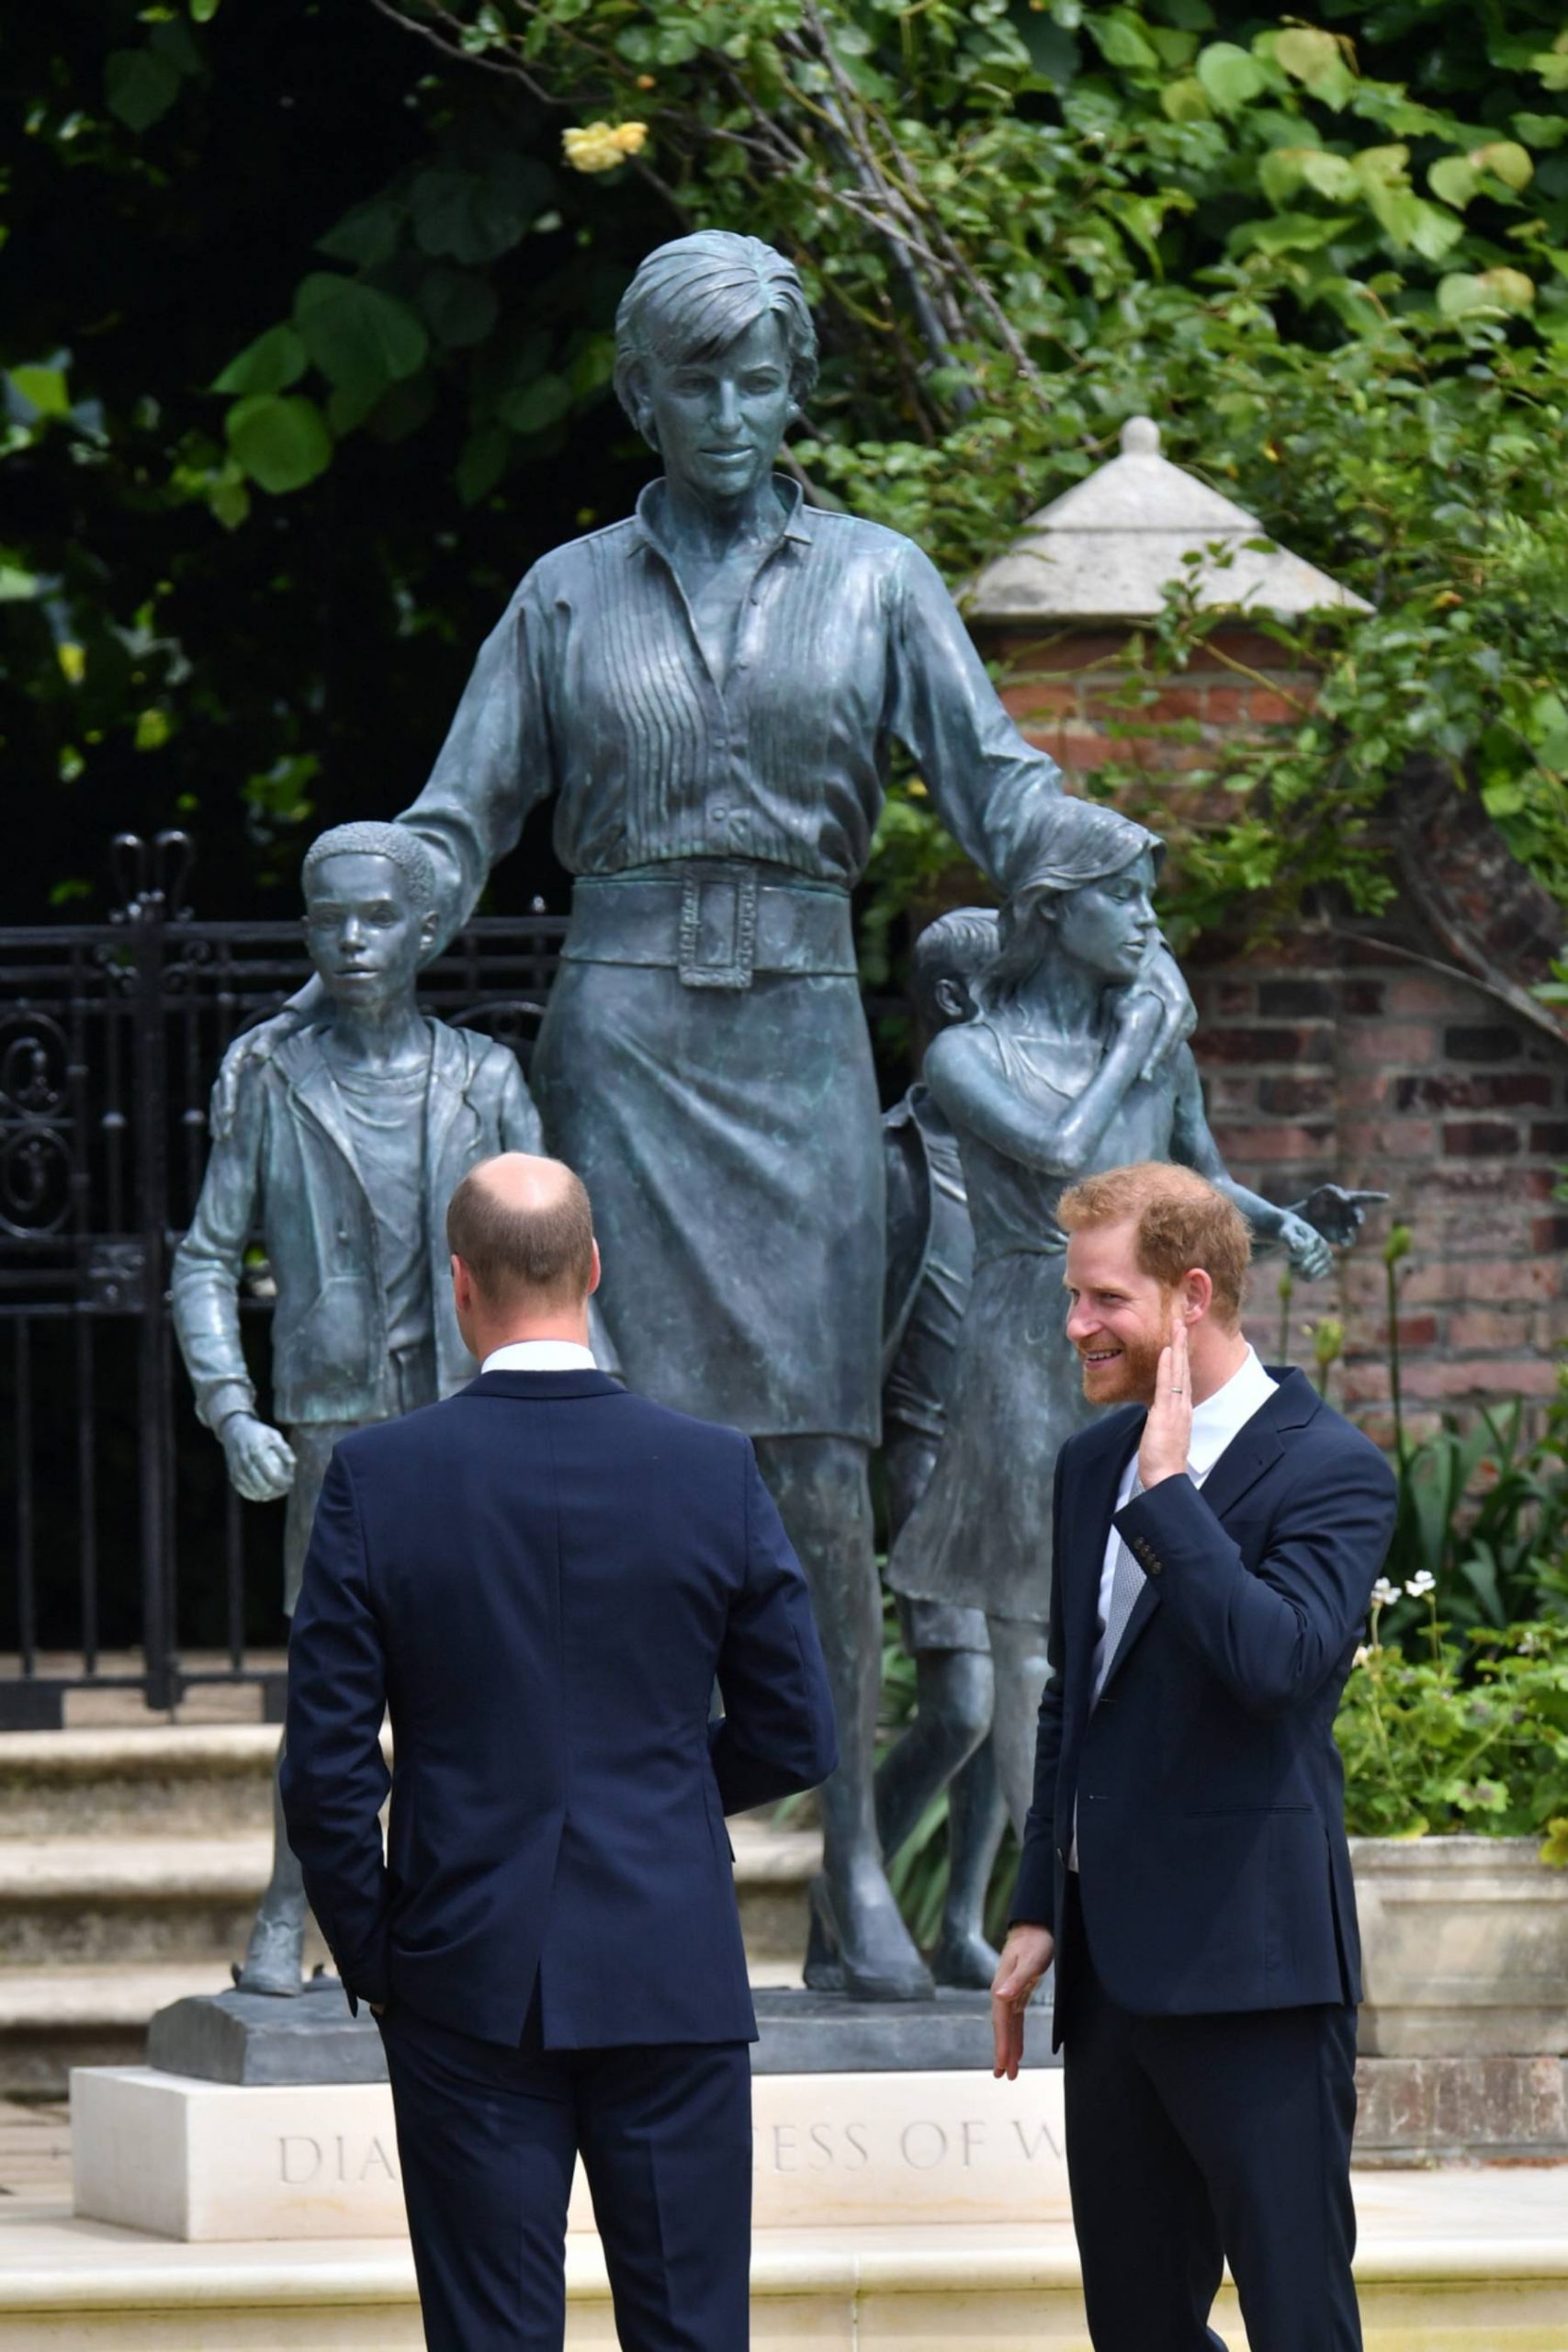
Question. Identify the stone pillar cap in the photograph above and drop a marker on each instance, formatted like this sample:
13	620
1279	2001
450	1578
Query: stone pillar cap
1106	549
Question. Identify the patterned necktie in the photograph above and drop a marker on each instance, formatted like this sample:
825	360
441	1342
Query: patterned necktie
1125	1586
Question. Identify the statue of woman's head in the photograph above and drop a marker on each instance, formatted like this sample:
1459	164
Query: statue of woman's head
716	355
1080	882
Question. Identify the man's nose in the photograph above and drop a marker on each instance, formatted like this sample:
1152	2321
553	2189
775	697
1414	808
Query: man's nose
1080	1323
353	931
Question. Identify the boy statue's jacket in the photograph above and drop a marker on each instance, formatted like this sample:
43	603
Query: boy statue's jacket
281	1145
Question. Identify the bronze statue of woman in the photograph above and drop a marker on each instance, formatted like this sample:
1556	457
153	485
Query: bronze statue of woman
711	689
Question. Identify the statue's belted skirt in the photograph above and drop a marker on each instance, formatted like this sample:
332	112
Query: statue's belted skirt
724	1119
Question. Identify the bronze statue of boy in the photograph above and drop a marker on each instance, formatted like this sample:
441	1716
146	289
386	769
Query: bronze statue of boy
343	1143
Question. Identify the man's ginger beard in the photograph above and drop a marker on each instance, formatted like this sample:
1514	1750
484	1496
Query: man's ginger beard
1129	1378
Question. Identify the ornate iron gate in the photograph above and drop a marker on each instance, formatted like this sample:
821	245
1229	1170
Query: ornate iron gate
110	1037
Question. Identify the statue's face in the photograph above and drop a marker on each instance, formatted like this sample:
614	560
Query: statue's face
366	935
1110	928
718	421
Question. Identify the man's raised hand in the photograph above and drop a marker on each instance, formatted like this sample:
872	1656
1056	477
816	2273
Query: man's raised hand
1026	1955
1168	1432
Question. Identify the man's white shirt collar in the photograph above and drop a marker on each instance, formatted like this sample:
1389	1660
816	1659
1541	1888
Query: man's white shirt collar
540	1356
1216	1423
1222	1417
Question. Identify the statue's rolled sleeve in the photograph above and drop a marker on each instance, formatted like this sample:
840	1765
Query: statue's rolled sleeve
980	773
205	1280
495	764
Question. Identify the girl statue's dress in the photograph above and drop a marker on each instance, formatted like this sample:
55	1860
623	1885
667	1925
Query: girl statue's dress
981	1534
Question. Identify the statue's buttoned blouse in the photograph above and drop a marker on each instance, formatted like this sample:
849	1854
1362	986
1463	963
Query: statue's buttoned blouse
594	686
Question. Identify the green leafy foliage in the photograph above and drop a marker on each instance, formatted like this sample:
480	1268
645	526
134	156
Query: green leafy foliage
281	442
1471	1737
1484	1516
1331	255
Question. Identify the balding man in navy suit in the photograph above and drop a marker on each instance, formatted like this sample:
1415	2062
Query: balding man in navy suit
543	1578
1184	1860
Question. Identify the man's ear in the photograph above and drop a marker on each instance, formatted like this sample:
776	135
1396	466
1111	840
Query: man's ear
462	1286
954	998
428	925
598	1271
1197	1295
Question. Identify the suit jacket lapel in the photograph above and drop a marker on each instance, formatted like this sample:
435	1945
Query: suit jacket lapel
1102	1476
1253	1450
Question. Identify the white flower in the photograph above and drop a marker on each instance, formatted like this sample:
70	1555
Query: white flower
1385	1594
1362	1655
1421	1584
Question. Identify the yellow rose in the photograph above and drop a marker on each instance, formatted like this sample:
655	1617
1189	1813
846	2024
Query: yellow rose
602	146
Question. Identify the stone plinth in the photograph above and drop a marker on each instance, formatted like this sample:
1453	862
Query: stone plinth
825	2033
249	2038
256	2037
203	2160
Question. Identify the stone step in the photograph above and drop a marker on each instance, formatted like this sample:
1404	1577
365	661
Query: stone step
117	1900
156	1779
161	1780
122	1899
1472	2262
97	1932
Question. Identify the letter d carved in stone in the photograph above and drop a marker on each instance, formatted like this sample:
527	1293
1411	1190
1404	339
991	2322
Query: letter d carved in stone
298	2159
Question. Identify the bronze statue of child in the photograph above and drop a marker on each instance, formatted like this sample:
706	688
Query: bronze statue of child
931	1254
343	1144
1055	1076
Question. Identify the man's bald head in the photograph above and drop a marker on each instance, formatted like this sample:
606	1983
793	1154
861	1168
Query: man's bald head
523	1228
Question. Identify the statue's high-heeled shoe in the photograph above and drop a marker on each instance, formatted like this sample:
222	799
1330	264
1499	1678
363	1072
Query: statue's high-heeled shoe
874	1952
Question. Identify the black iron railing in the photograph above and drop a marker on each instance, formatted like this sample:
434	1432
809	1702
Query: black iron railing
110	1037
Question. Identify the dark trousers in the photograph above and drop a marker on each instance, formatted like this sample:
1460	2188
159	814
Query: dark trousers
486	2140
1195	2140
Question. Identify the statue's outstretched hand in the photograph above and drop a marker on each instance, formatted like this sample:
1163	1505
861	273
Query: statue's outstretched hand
1162	972
254	1047
260	1459
1308	1252
1337	1215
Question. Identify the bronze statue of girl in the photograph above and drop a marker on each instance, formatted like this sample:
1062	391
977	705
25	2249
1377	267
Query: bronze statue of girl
1061	1072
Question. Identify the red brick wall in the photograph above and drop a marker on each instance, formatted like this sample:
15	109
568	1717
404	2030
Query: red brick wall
1338	1060
1068	694
1346	1065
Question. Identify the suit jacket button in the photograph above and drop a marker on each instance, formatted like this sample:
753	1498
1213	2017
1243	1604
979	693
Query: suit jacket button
1153	1567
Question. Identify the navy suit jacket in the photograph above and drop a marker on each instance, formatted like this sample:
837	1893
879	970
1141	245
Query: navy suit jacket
1214	1871
542	1579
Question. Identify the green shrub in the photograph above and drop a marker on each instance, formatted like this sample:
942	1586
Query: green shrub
1469	1737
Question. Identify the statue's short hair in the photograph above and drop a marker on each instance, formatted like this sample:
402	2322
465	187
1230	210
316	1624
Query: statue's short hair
369	839
1180	1221
692	297
960	946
